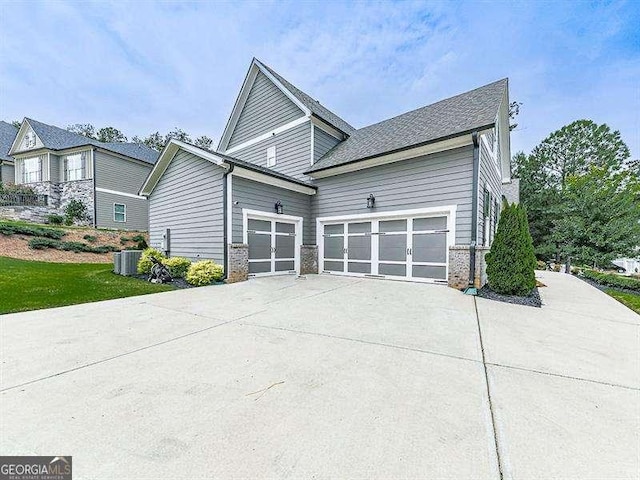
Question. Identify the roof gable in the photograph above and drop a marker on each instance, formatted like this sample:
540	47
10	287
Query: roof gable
309	106
263	97
8	134
26	139
474	110
56	138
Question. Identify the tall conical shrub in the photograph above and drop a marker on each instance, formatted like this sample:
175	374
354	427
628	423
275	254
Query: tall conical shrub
511	261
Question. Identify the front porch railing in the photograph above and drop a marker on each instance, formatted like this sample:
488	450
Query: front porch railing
22	200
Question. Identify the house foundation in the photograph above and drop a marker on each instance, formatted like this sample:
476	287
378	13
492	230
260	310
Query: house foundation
459	264
308	259
238	262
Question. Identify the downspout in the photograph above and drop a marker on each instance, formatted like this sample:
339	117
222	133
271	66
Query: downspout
95	197
471	289
225	221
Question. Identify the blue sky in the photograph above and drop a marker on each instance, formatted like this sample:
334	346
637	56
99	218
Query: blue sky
144	66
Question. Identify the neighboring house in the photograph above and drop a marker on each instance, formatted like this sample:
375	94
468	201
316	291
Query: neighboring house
7	134
631	266
294	188
106	177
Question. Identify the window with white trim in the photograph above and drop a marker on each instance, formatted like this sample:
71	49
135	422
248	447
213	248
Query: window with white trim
74	166
271	156
31	170
119	212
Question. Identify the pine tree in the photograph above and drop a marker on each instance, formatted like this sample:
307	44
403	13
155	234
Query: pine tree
511	261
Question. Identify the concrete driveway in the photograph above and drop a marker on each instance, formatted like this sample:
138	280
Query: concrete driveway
327	377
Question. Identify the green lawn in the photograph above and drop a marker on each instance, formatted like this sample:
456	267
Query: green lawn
26	285
631	300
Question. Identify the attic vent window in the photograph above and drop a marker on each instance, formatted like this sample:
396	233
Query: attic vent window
271	156
30	140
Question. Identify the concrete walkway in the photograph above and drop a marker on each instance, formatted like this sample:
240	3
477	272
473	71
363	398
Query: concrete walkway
327	377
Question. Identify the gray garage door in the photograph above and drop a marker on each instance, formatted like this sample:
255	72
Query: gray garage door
272	247
403	248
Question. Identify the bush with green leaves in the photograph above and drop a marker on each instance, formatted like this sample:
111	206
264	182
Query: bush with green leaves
204	272
145	263
40	243
141	242
55	219
75	210
612	280
178	266
90	238
10	228
511	261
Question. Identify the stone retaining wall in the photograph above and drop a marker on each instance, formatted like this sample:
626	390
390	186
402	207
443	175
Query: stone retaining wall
459	262
308	259
238	262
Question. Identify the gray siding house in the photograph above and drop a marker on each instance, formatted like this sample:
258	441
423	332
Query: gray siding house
293	188
7	134
106	177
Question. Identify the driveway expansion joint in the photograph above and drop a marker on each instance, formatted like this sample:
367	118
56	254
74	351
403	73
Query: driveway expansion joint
366	342
486	379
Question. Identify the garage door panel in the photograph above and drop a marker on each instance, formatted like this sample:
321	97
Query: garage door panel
393	247
359	227
285	265
259	246
396	270
260	267
285	246
358	267
430	247
359	248
333	266
335	228
285	228
428	271
433	223
334	247
393	226
259	225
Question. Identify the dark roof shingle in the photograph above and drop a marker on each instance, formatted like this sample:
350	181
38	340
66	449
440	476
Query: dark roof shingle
314	105
456	115
7	135
57	138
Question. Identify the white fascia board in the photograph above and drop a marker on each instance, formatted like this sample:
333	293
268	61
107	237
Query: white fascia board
430	211
116	192
168	153
396	157
239	171
284	90
265	136
337	134
20	135
238	105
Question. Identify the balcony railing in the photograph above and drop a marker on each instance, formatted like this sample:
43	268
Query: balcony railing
22	200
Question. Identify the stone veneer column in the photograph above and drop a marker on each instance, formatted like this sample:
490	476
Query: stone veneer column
238	262
308	259
459	260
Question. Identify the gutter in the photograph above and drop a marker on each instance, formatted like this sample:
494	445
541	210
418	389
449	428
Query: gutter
471	290
225	221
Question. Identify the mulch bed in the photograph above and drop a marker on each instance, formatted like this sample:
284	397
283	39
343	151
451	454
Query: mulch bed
531	300
176	282
604	288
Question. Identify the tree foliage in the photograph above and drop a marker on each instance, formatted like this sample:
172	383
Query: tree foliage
110	134
580	192
511	261
85	129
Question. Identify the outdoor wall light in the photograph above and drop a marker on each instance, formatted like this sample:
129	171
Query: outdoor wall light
371	201
278	207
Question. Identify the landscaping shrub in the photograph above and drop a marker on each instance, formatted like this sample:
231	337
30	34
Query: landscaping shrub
40	243
141	241
144	264
90	238
55	219
612	280
124	240
178	266
204	272
75	210
9	228
511	261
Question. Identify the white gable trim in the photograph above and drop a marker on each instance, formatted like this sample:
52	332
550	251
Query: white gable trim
337	134
168	153
24	127
269	134
449	144
239	171
247	85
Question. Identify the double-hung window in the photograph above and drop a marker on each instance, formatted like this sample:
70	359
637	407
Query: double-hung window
119	212
74	166
271	156
31	170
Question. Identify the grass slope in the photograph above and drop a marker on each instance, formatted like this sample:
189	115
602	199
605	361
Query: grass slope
631	300
27	285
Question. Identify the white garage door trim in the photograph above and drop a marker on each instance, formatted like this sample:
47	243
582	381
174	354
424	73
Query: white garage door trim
448	211
248	214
